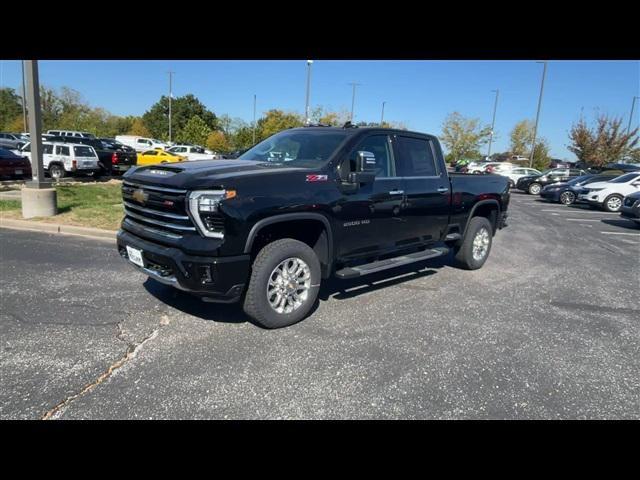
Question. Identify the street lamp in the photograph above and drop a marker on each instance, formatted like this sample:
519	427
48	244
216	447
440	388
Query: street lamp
353	98
170	97
306	104
633	104
382	115
254	119
535	129
493	122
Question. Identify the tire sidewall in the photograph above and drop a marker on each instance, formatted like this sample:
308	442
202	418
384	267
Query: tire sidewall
266	261
605	204
466	251
534	186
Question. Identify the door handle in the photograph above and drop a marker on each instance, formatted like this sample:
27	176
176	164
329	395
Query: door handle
396	192
442	190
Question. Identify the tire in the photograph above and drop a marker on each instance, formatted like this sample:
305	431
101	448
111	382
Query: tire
465	253
567	198
612	203
56	171
534	189
258	299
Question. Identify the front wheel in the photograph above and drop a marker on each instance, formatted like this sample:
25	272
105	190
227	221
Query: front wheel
567	198
534	188
476	245
284	284
613	203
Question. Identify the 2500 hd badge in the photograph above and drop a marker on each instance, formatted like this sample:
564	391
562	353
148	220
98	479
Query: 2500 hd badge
266	230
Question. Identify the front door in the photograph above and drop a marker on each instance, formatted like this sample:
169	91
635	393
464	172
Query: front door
369	216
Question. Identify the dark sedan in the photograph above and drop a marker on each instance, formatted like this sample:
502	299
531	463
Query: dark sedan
567	192
14	166
534	184
631	207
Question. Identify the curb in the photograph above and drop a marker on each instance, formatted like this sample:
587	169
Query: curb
59	229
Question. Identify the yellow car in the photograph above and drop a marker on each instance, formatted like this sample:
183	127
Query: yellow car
152	157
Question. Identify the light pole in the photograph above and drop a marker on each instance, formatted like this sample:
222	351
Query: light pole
24	105
633	104
170	97
382	115
493	122
254	118
353	98
535	128
306	104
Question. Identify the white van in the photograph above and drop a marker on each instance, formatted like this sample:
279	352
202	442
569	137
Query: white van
62	159
141	144
70	133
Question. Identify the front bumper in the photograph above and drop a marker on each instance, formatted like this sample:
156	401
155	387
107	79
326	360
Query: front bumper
550	195
631	213
218	279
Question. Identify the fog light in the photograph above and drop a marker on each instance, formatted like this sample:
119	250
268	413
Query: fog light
204	273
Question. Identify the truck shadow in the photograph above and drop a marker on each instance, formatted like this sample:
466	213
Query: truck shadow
331	288
629	224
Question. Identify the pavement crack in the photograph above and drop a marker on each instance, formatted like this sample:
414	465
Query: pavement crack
130	354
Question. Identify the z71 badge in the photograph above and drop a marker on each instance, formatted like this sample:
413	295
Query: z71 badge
317	178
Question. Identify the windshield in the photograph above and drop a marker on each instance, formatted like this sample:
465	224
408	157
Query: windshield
627	177
297	148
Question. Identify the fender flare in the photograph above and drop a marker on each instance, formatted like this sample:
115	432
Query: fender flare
286	217
473	209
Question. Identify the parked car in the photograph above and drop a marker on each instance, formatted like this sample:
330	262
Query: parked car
267	231
61	159
476	167
112	158
533	184
567	192
498	167
631	207
610	195
11	141
152	157
70	133
517	173
191	152
141	144
14	166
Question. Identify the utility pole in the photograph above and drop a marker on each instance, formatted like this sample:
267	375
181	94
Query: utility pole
38	196
254	118
493	122
535	129
24	105
353	98
633	104
170	97
306	104
382	115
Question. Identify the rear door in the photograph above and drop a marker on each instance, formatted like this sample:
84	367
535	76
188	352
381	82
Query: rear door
425	213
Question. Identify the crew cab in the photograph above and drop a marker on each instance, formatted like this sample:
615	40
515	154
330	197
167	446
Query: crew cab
610	195
268	229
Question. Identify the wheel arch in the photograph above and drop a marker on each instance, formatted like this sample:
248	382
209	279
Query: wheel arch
489	209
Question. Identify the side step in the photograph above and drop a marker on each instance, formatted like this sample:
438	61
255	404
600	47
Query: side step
380	265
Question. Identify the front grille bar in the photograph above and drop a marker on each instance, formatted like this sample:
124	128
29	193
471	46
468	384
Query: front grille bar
152	187
156	212
159	223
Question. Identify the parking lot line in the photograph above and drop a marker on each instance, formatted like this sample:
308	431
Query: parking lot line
621	233
572	211
583	219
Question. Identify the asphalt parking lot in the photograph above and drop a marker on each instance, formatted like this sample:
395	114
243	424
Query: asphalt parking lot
547	329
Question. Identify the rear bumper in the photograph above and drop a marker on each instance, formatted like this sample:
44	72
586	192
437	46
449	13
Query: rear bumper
219	279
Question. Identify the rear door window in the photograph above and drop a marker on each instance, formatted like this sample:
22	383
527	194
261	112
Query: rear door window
416	157
64	151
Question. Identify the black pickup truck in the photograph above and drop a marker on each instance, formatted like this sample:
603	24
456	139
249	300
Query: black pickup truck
301	206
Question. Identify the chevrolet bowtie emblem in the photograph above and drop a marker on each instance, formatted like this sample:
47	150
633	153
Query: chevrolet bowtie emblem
139	196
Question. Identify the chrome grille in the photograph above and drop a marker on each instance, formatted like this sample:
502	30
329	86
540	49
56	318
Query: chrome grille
158	209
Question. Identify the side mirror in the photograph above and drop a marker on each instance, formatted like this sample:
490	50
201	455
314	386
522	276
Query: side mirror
365	168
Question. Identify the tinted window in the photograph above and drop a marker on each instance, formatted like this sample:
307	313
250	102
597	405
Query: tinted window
62	151
625	178
416	157
151	152
47	149
379	146
83	151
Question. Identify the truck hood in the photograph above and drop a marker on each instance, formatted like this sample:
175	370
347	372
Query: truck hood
205	173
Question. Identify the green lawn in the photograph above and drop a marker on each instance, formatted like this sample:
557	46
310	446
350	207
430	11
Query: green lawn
98	206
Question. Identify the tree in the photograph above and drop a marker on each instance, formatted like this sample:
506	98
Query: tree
10	107
156	119
463	137
521	137
275	121
195	131
606	142
138	128
541	157
218	142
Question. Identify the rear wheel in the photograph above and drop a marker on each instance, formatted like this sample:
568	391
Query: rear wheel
56	171
613	203
476	245
534	188
567	198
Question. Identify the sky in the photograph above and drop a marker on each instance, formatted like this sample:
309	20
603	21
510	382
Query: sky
419	94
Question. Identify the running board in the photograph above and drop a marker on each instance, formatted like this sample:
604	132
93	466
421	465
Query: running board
380	265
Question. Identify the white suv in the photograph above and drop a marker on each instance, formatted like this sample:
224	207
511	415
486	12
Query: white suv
609	195
192	152
62	159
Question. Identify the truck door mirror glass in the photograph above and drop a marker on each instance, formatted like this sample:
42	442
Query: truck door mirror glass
365	168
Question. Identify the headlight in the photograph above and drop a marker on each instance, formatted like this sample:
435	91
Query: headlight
203	206
595	189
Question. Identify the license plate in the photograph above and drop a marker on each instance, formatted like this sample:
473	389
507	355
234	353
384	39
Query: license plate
18	172
135	256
